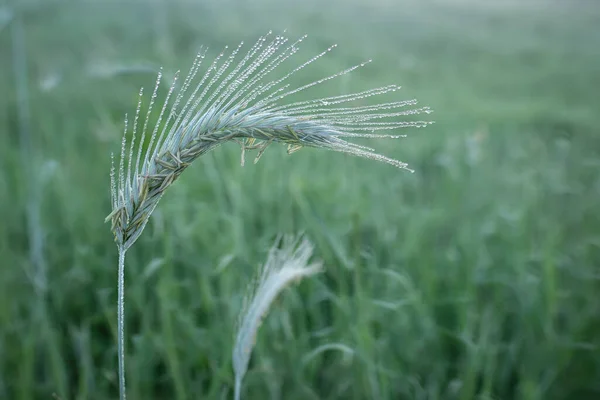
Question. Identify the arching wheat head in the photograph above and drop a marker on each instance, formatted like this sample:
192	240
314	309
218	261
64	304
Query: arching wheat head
237	102
236	99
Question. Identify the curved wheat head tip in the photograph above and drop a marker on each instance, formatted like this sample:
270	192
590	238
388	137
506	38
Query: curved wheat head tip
233	99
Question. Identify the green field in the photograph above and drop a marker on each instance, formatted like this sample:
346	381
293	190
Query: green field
476	277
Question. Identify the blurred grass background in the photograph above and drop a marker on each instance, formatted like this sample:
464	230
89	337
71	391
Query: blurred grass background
477	277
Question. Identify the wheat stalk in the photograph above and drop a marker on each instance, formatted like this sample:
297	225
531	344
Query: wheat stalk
235	101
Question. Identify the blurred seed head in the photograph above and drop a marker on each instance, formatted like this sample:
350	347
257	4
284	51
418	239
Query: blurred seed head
288	262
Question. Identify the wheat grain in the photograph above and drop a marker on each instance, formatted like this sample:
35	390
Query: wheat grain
236	103
244	107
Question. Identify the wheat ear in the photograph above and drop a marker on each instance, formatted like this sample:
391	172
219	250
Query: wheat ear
285	265
234	99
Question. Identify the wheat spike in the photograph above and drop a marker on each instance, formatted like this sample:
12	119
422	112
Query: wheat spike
240	104
234	100
285	265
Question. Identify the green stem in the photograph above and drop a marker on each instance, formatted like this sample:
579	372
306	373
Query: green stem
238	388
121	322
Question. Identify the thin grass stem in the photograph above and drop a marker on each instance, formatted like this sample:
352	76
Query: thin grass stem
121	322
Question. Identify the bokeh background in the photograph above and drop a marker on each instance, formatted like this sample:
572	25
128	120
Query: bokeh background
476	277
